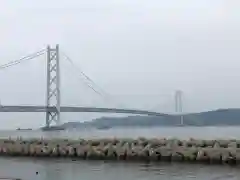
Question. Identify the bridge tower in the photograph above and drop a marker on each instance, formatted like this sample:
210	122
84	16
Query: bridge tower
178	105
53	94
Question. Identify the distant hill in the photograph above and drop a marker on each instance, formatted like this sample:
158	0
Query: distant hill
210	118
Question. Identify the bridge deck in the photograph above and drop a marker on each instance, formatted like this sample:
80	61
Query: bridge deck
77	109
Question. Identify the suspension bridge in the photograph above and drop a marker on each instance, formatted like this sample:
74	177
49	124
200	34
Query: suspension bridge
53	107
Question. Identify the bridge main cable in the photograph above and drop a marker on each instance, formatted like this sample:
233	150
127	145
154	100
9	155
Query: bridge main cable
25	58
84	75
92	84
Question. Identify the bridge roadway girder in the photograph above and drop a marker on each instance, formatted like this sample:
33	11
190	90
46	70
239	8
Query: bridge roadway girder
77	109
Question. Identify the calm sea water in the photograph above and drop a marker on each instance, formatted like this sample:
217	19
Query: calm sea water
65	169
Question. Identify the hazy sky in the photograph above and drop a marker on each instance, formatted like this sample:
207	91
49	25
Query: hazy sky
138	51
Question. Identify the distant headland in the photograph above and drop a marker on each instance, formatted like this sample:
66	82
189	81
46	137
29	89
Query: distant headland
220	117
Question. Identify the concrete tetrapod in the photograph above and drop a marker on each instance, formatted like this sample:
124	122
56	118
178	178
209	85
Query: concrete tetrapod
142	149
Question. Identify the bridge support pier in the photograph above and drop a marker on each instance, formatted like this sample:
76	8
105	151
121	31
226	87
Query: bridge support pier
53	94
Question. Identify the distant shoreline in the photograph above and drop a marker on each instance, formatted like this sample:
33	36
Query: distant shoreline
220	117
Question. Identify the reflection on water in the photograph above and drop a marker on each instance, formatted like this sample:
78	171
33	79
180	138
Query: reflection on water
91	170
66	169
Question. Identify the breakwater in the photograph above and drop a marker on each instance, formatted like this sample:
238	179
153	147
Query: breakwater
141	149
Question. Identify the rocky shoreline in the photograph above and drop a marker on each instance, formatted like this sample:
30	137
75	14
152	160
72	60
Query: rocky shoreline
141	149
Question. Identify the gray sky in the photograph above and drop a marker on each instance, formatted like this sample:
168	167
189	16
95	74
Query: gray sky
138	51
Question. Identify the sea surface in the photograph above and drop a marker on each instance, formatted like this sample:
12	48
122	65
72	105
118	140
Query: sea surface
66	169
